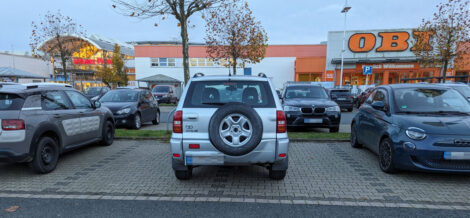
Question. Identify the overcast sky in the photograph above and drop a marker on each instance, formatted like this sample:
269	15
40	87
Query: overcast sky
286	21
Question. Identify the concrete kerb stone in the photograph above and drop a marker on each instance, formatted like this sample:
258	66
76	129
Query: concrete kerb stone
291	140
238	200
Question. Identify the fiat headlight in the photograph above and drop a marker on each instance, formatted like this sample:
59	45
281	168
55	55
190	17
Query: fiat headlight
415	133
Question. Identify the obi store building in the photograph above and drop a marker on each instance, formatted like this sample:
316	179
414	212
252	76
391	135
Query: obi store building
388	52
91	53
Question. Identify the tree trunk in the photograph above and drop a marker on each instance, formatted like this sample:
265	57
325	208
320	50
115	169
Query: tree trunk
444	71
184	41
235	66
64	68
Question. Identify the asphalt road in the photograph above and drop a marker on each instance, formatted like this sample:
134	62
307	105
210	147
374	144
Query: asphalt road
137	208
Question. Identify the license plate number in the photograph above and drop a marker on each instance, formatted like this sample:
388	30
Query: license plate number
204	160
457	155
313	121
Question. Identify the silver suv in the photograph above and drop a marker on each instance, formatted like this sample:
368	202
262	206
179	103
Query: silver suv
39	122
229	120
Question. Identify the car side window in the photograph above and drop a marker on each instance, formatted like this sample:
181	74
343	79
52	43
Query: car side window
78	100
148	96
55	100
33	102
379	96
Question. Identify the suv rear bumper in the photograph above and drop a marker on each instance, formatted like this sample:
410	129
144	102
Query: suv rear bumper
9	156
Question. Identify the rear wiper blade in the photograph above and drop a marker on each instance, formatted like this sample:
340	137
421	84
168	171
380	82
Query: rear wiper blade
214	103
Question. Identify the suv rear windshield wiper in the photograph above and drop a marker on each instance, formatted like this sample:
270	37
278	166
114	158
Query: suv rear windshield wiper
214	103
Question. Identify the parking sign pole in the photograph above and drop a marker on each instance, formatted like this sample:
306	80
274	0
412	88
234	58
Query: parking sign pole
345	11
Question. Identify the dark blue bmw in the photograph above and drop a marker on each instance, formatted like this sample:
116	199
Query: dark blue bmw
420	127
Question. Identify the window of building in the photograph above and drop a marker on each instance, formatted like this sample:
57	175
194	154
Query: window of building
154	62
193	62
171	62
163	62
201	62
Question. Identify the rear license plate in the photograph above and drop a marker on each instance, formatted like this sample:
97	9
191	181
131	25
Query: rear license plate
341	99
457	155
313	120
204	160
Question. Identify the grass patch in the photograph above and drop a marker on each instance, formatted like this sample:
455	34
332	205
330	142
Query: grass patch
163	134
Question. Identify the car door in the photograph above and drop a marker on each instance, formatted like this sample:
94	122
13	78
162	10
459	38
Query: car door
365	121
60	113
90	118
153	105
145	108
380	119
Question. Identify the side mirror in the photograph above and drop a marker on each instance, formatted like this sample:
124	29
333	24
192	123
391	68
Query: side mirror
96	104
379	105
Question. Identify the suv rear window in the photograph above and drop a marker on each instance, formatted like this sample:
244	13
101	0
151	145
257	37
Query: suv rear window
209	93
10	102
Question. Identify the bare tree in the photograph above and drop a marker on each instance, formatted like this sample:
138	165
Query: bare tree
234	34
447	32
56	36
179	9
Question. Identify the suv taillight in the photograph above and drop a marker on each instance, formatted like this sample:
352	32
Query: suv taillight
281	122
178	122
12	124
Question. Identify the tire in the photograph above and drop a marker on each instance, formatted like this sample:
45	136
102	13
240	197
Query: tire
46	156
184	174
386	156
137	121
353	137
235	136
334	129
157	118
108	134
277	174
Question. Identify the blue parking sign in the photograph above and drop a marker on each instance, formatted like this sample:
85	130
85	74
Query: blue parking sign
367	70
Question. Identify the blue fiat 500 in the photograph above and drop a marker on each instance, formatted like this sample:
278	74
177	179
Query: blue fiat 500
421	127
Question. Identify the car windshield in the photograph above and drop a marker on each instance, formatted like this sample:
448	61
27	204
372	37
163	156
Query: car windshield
465	90
339	92
120	96
430	100
210	93
306	92
93	91
10	102
164	89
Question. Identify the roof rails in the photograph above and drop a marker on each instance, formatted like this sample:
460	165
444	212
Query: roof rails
262	75
198	75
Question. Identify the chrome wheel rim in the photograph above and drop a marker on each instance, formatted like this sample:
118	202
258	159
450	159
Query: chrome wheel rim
137	121
158	117
235	130
385	155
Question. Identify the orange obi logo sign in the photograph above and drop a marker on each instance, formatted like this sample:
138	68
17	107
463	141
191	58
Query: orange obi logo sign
389	41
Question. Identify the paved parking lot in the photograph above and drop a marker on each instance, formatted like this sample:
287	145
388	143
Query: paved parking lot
324	172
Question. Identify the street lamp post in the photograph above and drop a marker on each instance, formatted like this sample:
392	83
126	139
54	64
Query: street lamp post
345	12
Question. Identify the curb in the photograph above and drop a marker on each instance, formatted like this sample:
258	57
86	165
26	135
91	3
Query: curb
291	140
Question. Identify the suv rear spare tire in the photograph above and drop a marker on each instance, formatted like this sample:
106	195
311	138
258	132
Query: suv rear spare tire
235	129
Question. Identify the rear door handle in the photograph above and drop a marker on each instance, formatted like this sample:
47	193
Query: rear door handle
57	116
192	116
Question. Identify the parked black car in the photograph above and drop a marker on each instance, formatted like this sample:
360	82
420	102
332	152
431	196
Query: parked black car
95	93
165	93
342	97
415	127
310	106
132	107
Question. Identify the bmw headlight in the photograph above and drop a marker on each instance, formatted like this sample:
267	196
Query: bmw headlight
291	108
333	109
124	111
415	133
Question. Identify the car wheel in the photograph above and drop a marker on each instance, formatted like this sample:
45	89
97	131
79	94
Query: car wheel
353	137
334	129
386	160
235	129
137	121
184	174
277	174
108	134
157	118
46	156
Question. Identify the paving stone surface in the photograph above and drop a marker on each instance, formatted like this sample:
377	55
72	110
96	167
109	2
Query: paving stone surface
319	172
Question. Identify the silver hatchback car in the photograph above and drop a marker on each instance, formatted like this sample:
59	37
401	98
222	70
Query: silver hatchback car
39	122
229	120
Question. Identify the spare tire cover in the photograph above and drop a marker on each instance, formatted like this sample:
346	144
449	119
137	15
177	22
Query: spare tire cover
235	129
